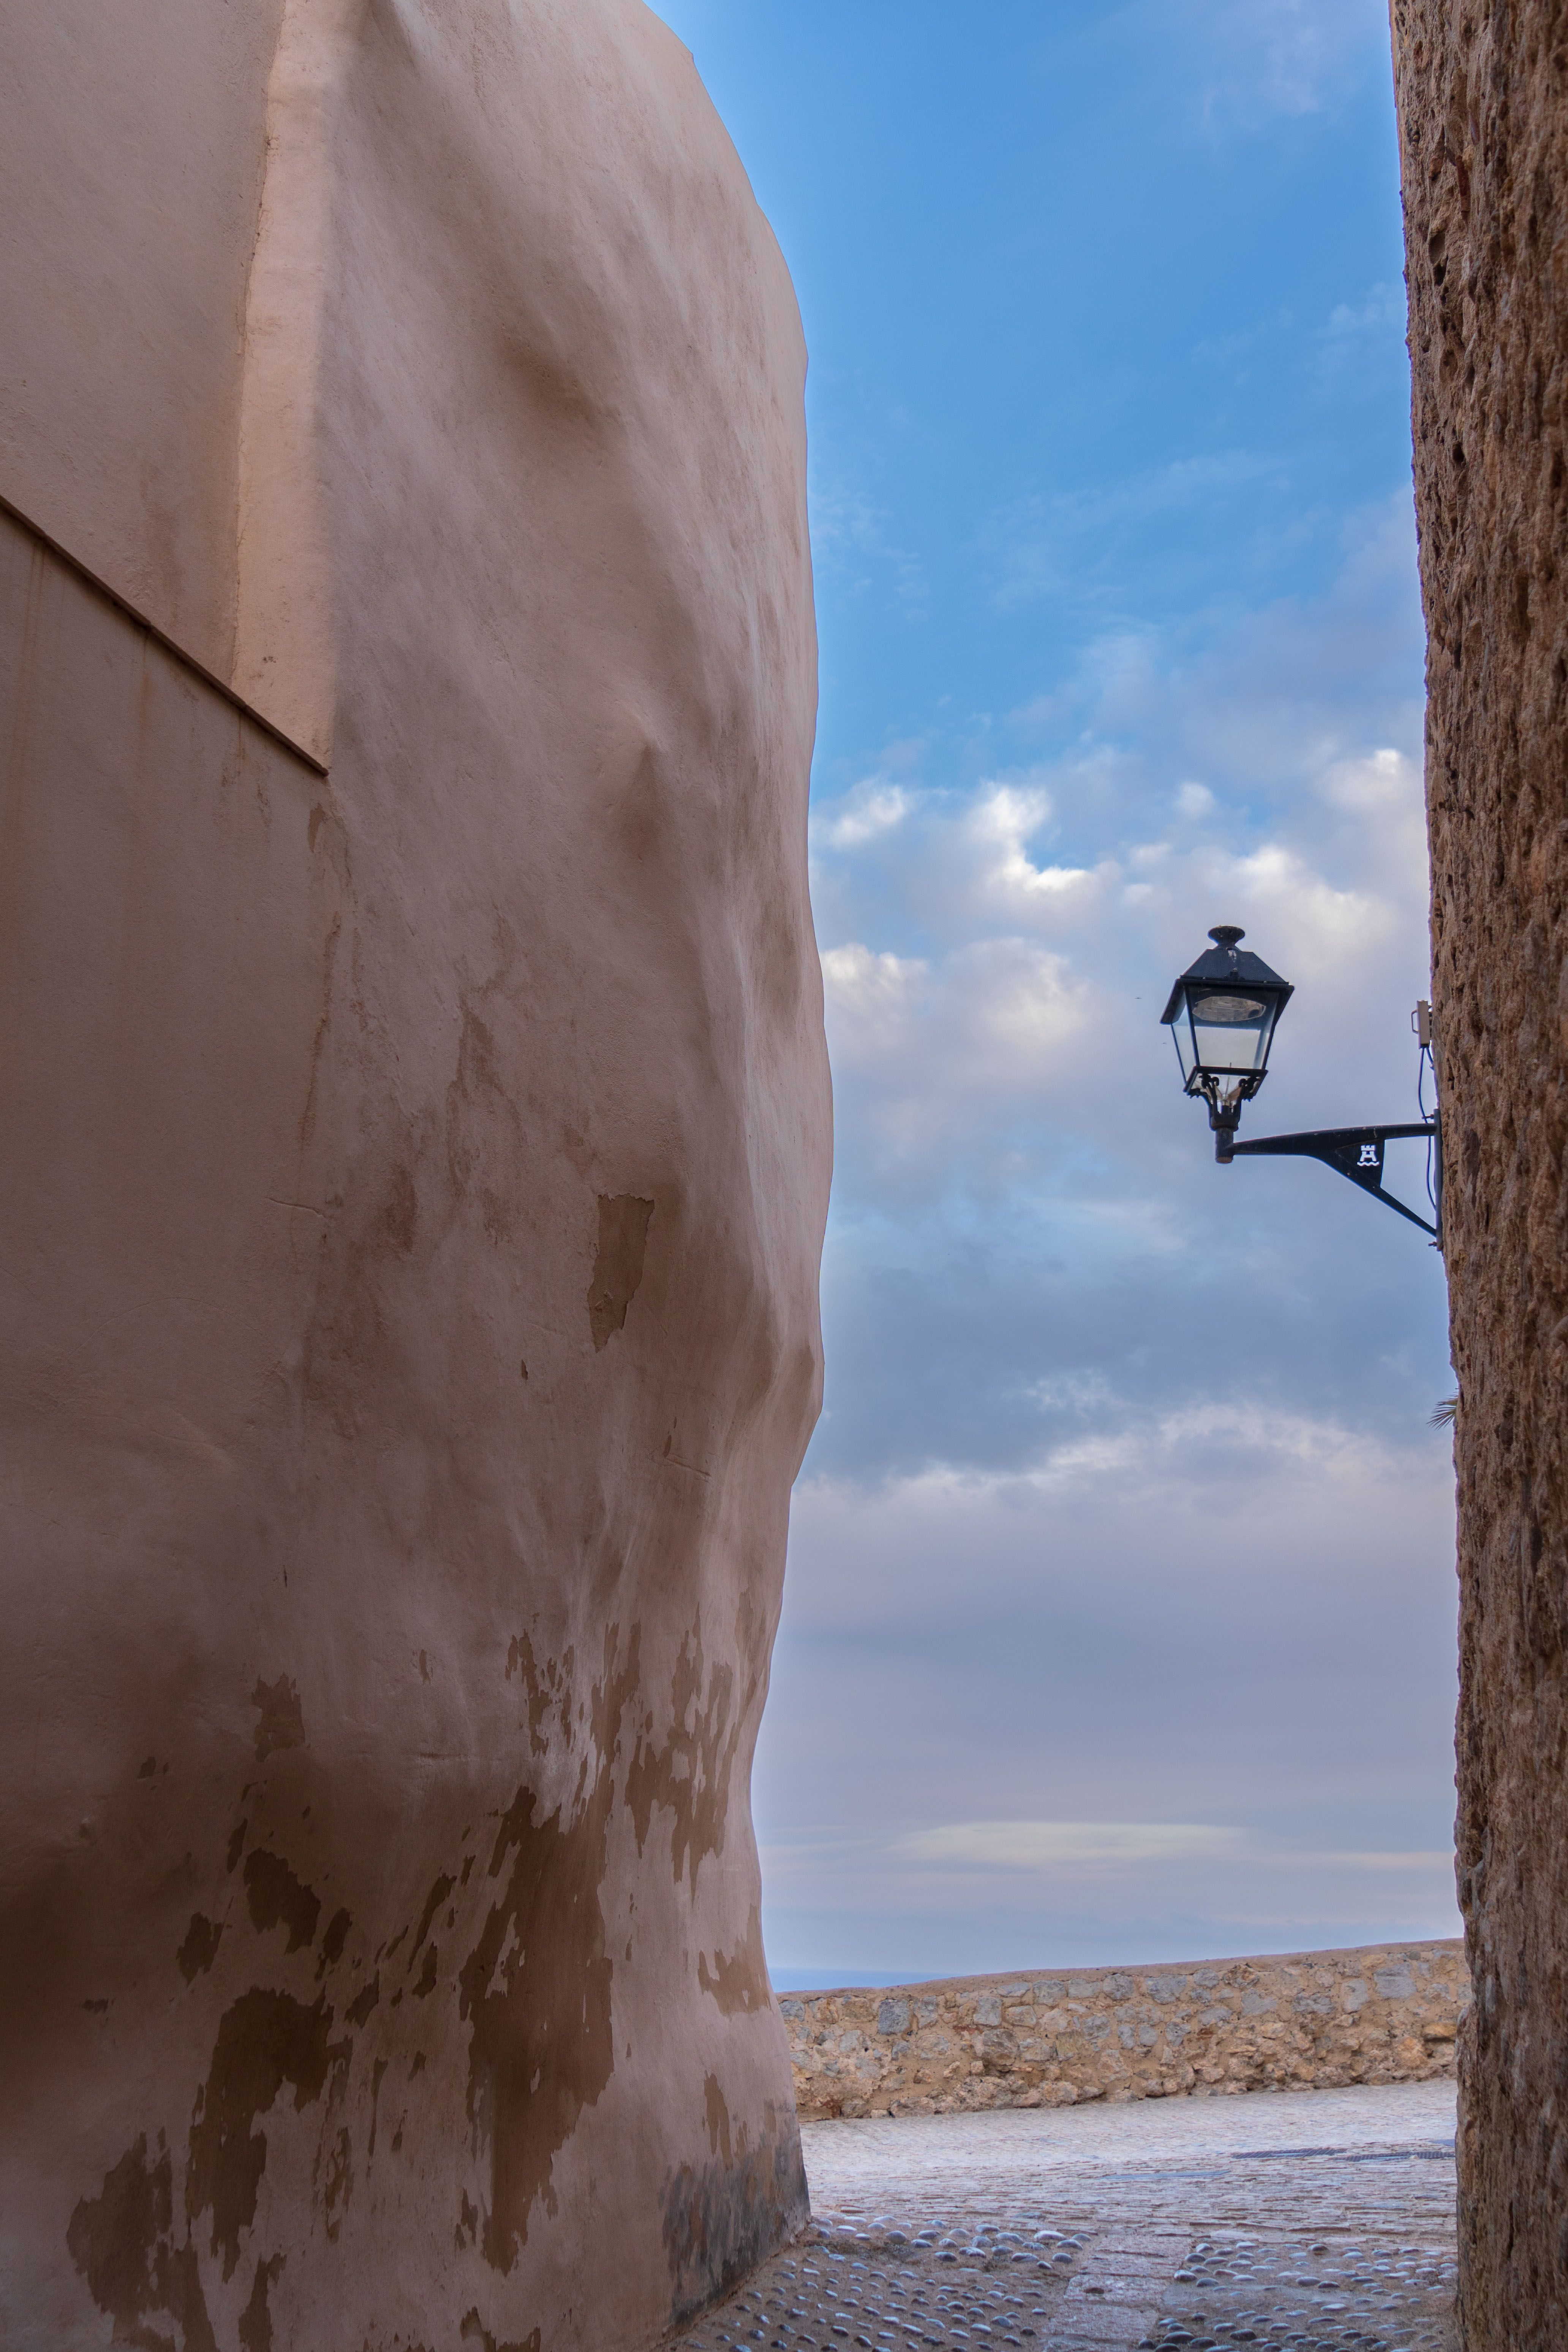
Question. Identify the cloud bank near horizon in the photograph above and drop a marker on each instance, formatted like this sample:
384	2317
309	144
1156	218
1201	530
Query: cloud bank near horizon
1120	1617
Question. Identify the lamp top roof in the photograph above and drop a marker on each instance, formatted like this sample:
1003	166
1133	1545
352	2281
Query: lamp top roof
1227	965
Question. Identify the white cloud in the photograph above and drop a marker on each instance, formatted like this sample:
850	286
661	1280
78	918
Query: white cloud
1269	59
1377	782
1004	819
873	807
941	1052
873	1002
1195	802
1077	1845
1359	335
849	542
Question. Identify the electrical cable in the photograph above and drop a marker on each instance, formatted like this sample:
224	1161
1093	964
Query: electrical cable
1426	1056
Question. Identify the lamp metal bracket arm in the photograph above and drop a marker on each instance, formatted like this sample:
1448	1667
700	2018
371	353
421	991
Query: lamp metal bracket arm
1353	1151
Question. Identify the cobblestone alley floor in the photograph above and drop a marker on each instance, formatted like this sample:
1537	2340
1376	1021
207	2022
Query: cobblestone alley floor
1303	2221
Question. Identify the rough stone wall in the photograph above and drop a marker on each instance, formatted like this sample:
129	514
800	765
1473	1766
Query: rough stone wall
412	1168
1312	2020
1483	109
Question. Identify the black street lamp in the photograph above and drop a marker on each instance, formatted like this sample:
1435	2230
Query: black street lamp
1223	1012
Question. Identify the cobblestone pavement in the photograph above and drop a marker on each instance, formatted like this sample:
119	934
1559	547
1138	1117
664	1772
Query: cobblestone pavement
1308	2221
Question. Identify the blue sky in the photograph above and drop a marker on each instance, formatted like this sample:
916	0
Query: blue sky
1120	1620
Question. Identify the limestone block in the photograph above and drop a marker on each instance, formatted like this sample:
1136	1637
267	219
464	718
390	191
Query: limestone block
412	1167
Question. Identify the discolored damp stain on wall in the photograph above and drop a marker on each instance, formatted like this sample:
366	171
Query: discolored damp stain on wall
474	2331
265	2040
535	1990
235	1846
738	1981
199	1949
690	1773
721	2217
399	1220
624	1221
332	1942
278	1899
426	1984
255	2319
122	2244
279	1718
717	2113
322	1029
484	1131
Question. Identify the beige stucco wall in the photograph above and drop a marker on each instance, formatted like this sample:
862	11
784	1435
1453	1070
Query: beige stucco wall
1307	2021
131	175
412	1177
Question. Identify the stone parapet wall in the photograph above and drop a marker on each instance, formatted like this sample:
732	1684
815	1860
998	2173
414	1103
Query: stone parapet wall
1303	2020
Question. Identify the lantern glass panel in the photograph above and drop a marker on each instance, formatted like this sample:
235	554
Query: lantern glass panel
1186	1046
1230	1032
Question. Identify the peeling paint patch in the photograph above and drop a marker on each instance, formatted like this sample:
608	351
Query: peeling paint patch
690	1773
433	1901
535	1990
377	2072
280	1720
197	1953
265	2040
548	1686
624	1221
468	2229
334	1939
738	1981
255	2319
278	1899
364	2001
474	2331
336	2180
122	2244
